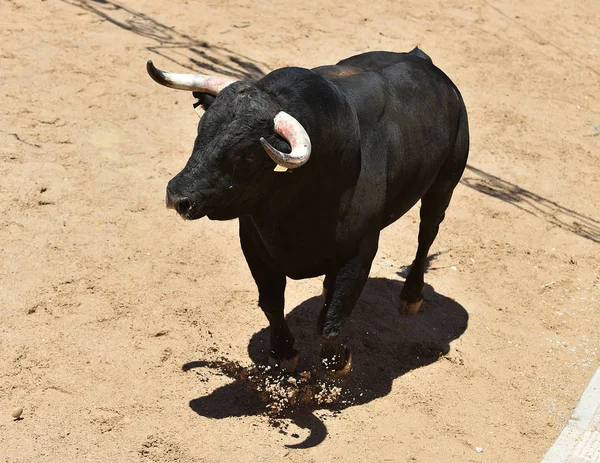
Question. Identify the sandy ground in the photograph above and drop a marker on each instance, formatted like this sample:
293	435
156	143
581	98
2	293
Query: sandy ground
105	295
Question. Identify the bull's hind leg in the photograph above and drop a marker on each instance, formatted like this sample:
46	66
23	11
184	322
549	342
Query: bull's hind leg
433	208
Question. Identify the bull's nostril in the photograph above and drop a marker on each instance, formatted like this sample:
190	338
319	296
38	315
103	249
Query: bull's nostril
183	206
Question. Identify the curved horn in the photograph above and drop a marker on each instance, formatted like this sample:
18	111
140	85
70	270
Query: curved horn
191	82
290	129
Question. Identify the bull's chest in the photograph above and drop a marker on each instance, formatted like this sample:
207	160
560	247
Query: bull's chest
301	247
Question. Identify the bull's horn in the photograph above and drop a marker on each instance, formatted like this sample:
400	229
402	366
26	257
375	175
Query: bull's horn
290	129
190	82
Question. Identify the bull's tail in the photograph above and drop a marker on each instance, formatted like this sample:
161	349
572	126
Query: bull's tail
461	145
421	54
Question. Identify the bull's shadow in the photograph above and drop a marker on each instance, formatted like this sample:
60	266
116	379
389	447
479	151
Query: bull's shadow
384	347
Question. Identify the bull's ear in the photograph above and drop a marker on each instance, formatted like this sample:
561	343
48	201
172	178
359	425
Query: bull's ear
204	100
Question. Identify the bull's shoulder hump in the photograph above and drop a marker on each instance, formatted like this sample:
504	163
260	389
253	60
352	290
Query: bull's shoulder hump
378	60
337	71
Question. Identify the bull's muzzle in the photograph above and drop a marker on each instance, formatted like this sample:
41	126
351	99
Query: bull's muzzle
181	204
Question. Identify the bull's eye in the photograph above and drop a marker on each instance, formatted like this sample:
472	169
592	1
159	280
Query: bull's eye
243	157
247	157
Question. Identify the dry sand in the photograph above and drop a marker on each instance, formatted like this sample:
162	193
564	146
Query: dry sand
105	295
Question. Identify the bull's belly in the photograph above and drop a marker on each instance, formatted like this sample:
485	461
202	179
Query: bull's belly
312	262
405	190
397	207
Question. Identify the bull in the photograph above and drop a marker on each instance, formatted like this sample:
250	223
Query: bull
315	163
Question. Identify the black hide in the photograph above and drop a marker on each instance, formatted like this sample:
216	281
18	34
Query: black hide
387	130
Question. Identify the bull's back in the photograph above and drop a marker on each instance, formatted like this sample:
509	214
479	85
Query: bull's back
377	60
365	62
408	112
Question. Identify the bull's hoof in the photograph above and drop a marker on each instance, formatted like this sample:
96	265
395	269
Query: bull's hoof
336	358
287	365
407	309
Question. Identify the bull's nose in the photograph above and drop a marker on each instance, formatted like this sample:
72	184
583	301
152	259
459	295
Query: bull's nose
181	205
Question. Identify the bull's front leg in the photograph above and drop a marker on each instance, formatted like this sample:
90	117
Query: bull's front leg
271	291
271	300
341	291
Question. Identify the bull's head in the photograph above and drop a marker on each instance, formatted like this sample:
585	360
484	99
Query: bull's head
239	137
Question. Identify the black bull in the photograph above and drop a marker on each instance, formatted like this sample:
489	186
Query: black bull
387	130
